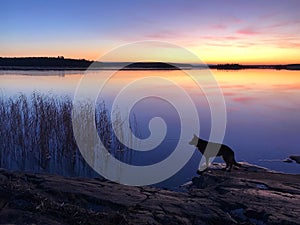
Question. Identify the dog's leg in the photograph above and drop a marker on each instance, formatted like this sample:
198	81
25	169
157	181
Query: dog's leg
199	172
203	167
207	162
230	167
225	168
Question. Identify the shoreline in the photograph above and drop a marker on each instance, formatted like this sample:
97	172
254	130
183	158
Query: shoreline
18	68
61	63
249	195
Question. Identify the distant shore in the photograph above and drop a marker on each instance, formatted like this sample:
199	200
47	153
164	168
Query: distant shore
60	63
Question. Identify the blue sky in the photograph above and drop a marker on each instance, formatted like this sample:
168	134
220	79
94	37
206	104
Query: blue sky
217	31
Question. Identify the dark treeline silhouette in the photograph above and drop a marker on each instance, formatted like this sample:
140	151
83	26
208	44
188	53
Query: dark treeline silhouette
157	65
239	67
44	63
227	67
61	63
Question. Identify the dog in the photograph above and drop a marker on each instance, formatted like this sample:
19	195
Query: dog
223	150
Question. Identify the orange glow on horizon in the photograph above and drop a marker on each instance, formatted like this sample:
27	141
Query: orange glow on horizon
206	54
249	55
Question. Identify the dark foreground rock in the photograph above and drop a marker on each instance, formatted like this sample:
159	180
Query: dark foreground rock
296	158
249	195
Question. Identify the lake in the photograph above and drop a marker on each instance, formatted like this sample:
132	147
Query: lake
262	107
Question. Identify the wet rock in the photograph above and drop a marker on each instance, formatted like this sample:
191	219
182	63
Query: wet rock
257	214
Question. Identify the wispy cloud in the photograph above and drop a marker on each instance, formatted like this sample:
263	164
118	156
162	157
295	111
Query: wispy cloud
287	87
244	99
219	26
248	31
222	38
163	34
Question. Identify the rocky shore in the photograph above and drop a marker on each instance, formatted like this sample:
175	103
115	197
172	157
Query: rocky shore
248	195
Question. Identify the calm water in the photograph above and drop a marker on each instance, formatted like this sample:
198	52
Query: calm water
263	114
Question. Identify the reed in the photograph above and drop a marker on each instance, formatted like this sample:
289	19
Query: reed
36	134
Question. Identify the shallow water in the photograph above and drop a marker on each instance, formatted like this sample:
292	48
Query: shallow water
263	119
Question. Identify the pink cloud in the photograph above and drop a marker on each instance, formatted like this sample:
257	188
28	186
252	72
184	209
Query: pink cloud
219	27
236	20
229	93
287	87
248	31
288	45
161	34
235	86
232	38
282	41
222	38
232	109
244	99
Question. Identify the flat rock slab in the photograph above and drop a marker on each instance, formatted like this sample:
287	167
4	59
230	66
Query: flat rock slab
249	195
296	158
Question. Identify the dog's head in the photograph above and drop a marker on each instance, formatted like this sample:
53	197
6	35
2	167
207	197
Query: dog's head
194	140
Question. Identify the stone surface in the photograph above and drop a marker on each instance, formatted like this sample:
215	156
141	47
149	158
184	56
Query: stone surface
249	195
296	158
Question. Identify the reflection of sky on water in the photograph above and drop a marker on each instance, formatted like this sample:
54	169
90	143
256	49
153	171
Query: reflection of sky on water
14	82
262	105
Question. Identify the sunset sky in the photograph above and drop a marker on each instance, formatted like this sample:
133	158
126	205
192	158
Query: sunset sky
248	32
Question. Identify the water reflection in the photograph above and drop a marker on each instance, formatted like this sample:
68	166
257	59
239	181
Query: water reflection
262	105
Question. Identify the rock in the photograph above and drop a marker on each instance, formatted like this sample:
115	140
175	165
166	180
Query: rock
262	186
296	158
249	195
287	160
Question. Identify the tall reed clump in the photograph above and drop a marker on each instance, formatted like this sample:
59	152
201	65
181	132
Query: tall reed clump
36	134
